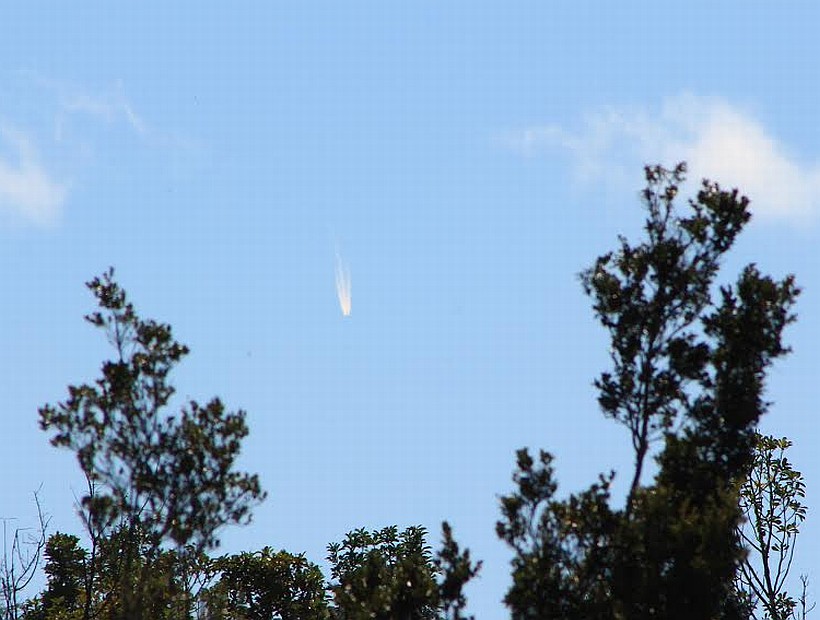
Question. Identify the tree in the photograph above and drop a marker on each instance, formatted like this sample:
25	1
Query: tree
268	585
384	574
154	478
687	381
77	589
455	570
771	499
380	574
65	571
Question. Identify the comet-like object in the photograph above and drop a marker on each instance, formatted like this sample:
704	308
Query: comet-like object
343	284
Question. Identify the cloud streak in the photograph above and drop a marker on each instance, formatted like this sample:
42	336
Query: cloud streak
343	289
27	190
110	105
718	140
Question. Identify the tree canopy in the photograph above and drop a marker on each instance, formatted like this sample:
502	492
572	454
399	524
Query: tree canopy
707	528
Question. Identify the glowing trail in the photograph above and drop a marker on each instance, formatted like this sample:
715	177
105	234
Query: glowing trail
343	284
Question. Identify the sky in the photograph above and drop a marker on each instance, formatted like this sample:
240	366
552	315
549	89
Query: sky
455	164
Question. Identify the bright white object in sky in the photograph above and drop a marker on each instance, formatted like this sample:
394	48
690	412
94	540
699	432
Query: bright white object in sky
343	284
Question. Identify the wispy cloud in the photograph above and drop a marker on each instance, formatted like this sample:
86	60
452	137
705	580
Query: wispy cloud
27	190
110	105
718	140
343	288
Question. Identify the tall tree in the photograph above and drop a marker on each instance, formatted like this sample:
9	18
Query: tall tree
687	380
154	478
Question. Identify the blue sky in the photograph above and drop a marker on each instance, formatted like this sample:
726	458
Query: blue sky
465	160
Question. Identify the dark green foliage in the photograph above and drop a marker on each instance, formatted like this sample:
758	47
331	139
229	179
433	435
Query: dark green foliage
171	474
66	572
384	574
101	584
688	375
132	579
455	570
562	548
154	478
268	585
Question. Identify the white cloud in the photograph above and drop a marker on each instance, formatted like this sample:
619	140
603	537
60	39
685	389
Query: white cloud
718	141
26	189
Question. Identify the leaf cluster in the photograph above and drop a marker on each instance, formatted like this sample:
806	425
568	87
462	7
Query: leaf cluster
268	585
384	574
771	499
